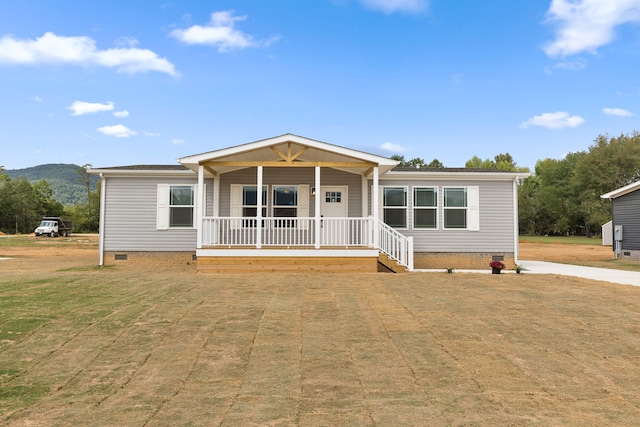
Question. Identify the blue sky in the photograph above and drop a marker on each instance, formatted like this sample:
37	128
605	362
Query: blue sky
145	82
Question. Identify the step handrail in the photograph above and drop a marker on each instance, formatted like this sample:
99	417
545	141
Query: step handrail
395	245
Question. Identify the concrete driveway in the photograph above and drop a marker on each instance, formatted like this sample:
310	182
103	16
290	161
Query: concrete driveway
604	274
542	267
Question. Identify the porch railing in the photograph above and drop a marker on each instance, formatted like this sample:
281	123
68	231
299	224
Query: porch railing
301	232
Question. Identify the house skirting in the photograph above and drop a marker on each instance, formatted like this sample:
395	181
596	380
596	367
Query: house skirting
630	254
290	260
149	258
461	260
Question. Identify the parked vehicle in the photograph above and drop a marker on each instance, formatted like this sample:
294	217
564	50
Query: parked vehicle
54	226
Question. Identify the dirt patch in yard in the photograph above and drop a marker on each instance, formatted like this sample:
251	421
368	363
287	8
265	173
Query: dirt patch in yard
557	252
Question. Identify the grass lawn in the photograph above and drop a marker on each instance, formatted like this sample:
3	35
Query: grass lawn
125	346
565	240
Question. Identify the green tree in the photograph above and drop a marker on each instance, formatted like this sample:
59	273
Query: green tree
86	216
416	162
477	163
435	163
610	163
502	162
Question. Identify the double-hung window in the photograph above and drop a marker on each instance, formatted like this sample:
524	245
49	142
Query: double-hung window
394	206
250	203
181	205
175	205
285	204
462	208
455	207
425	207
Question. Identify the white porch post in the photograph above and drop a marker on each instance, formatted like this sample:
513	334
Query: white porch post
200	207
317	208
375	208
216	195
365	195
259	207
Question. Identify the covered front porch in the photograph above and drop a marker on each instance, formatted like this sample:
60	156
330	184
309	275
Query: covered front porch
302	244
268	209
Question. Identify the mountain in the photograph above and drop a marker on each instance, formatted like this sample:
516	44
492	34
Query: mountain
64	180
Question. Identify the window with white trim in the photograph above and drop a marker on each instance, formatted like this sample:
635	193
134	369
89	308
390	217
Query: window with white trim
285	204
394	206
461	208
425	207
181	205
175	206
455	207
250	203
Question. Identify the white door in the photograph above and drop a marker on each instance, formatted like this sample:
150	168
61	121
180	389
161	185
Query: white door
333	205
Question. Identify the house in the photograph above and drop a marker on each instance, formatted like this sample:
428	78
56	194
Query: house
290	203
625	217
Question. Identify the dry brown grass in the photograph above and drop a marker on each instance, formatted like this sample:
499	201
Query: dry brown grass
131	347
565	253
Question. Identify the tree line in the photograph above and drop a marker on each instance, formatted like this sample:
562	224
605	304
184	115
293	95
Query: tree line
563	196
23	205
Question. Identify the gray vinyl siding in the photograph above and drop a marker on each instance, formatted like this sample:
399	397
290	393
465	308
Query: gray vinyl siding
496	212
293	176
130	216
626	212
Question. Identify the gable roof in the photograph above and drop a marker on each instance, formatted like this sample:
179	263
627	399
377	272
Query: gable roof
622	191
287	149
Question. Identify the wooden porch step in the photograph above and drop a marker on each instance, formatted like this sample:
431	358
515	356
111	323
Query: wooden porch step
391	264
246	264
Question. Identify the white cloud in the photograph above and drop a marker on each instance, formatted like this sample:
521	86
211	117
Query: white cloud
178	141
119	131
80	107
585	25
123	113
81	51
154	134
620	112
390	6
576	65
557	120
220	33
36	98
391	147
127	41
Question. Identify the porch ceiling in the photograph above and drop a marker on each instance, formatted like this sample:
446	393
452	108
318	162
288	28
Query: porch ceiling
287	151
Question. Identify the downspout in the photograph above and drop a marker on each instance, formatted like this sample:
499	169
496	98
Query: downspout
516	228
103	188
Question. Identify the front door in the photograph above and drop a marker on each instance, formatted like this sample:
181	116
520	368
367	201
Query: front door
333	205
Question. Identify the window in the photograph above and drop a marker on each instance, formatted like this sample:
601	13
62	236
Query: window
394	206
425	207
250	203
333	196
181	204
455	208
285	201
285	204
175	206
